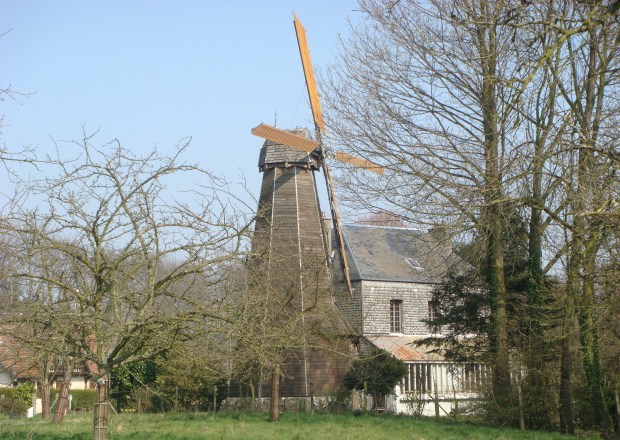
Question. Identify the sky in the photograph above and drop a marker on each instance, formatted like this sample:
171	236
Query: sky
151	73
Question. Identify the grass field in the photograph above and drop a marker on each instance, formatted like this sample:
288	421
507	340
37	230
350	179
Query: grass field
255	426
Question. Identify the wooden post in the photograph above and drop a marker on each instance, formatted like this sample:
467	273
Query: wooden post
34	400
436	400
456	402
311	399
63	394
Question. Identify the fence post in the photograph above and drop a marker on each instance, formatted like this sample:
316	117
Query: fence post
436	400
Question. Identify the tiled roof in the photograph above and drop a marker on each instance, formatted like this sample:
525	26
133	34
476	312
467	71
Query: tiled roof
399	346
403	347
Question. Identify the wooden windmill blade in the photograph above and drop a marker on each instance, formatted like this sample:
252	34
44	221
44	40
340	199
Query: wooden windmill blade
285	138
313	93
319	124
337	228
302	143
359	162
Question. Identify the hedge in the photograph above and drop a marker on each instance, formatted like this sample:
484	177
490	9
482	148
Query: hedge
83	400
8	392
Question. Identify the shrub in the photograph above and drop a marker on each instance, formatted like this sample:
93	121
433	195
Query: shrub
12	406
379	370
23	392
8	392
338	400
82	400
143	399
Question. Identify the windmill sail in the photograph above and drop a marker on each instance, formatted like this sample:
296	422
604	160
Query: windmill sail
313	93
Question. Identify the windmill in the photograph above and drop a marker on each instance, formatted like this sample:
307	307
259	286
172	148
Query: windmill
290	235
289	144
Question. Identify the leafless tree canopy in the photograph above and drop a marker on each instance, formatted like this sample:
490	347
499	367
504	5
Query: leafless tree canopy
483	112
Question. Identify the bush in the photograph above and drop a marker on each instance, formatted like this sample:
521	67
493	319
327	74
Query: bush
82	400
379	370
23	392
338	400
12	406
8	392
143	399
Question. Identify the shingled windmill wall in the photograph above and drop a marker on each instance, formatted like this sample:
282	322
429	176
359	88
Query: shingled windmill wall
289	243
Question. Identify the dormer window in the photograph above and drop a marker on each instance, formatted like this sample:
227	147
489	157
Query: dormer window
413	263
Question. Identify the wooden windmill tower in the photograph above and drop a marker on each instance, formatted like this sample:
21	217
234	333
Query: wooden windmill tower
289	229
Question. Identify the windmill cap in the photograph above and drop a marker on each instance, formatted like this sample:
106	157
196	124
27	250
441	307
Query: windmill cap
273	154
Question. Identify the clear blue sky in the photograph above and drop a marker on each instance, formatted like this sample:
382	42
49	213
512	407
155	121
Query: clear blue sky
153	72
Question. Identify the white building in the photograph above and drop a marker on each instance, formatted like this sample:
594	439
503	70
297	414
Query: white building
393	273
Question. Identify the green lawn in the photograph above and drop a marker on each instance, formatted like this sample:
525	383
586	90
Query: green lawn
256	427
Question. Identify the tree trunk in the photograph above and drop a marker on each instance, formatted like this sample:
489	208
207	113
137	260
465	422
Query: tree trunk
502	390
45	398
274	404
537	396
62	403
493	212
567	420
588	230
590	342
102	406
617	399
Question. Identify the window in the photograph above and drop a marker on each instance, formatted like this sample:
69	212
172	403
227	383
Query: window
413	263
396	316
432	310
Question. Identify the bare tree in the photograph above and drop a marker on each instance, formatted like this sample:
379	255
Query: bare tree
133	253
417	89
277	334
482	109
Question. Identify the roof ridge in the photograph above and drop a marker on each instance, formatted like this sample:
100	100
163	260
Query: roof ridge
356	225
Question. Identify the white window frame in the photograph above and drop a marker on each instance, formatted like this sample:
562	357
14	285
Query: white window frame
396	316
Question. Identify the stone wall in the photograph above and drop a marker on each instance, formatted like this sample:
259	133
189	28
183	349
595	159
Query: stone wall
375	307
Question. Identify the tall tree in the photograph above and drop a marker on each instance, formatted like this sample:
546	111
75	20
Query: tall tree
481	108
592	61
425	89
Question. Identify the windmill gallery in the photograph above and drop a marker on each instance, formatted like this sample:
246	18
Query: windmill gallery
369	287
